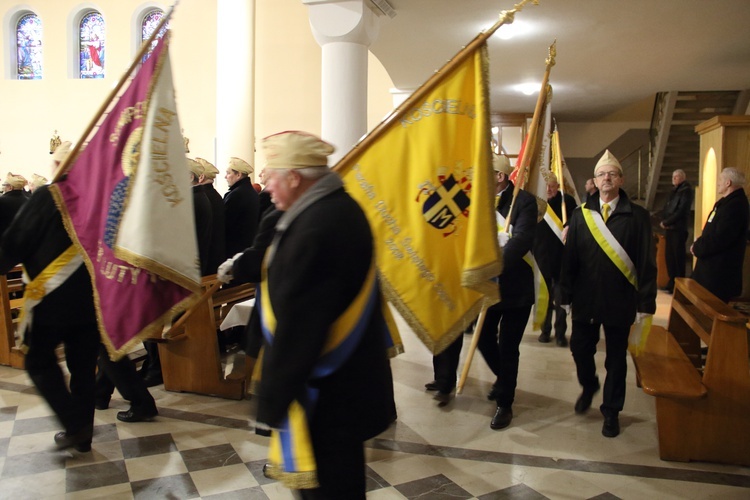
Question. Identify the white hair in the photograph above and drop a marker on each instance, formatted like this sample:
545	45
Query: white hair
311	173
735	176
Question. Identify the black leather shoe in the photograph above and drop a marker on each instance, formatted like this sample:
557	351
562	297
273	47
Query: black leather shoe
80	440
611	427
101	403
562	341
584	400
443	398
152	379
544	338
431	386
137	415
502	418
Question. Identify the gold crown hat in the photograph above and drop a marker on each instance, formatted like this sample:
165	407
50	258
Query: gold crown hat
16	181
240	165
61	151
38	181
295	149
195	167
501	164
209	170
608	160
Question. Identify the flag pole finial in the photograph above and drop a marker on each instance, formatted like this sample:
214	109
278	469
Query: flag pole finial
550	61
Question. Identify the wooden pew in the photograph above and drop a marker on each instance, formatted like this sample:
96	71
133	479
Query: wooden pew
10	355
702	411
190	355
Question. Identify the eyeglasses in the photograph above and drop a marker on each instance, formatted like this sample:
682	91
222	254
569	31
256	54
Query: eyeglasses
601	175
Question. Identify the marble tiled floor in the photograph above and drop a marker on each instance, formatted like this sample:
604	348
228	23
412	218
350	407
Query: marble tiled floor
202	447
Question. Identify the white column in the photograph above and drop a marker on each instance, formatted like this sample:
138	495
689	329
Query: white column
235	83
344	29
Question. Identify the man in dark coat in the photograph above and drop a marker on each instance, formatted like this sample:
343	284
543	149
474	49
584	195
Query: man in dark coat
308	288
510	315
203	216
548	248
60	309
505	322
11	202
217	248
720	250
675	221
610	284
242	208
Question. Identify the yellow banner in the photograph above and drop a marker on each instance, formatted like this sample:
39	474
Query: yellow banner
427	187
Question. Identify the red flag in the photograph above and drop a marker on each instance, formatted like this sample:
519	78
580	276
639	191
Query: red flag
514	175
134	164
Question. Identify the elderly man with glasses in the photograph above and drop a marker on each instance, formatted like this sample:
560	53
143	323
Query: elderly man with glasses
609	279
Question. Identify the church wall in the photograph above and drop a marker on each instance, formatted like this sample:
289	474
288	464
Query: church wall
33	110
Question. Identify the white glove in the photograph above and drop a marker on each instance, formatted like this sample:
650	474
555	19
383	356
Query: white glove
503	238
566	308
224	273
639	317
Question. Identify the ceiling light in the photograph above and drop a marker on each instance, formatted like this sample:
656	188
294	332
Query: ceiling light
527	88
508	31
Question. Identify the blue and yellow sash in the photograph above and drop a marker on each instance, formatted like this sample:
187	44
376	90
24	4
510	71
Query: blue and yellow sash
291	457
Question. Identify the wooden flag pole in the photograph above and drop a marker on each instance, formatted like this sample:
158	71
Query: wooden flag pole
506	17
526	160
472	350
558	153
528	152
66	164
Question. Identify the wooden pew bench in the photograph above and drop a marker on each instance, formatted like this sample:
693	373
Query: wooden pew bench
702	411
10	355
190	356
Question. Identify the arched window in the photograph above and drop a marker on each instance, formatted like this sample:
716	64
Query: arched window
150	21
29	47
92	39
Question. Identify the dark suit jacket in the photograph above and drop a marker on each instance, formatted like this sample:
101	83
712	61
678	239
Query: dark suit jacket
548	247
720	250
241	216
10	203
203	217
36	238
217	248
517	278
590	281
676	213
310	285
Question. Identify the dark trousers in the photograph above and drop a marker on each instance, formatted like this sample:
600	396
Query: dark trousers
152	364
675	254
445	366
123	375
583	343
561	323
499	343
73	404
340	458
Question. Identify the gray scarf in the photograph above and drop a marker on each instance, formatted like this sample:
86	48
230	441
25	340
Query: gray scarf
322	188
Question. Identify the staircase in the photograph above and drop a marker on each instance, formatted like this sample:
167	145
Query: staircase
675	144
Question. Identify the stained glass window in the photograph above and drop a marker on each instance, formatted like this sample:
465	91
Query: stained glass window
150	21
91	42
29	47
